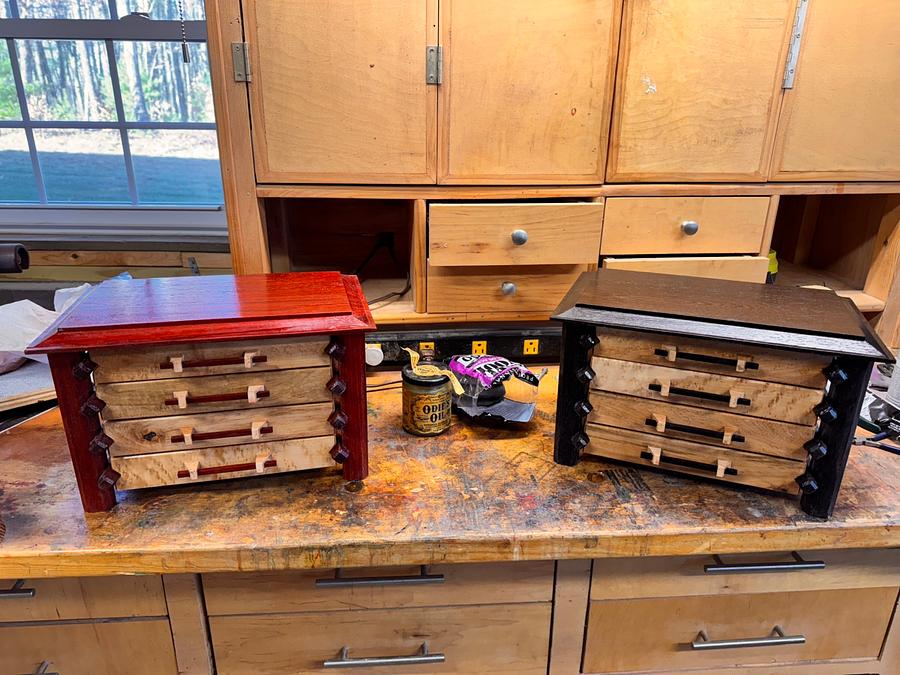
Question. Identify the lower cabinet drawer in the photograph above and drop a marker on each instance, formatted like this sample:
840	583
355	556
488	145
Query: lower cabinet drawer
139	647
733	268
476	639
666	634
378	588
522	288
81	598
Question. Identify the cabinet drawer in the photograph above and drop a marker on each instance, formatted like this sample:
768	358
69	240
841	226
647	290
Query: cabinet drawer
476	639
733	268
483	234
745	360
657	634
625	578
484	289
378	588
718	392
238	391
139	647
81	598
162	363
238	461
745	468
207	430
726	430
683	225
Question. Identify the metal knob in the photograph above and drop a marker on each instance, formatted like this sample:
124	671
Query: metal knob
508	288
690	227
519	237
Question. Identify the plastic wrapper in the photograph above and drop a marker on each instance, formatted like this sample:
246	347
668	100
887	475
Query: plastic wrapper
495	388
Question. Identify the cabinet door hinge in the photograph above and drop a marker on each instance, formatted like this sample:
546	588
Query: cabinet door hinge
240	59
790	68
434	64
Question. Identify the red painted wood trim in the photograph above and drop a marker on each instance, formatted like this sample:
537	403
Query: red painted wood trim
355	434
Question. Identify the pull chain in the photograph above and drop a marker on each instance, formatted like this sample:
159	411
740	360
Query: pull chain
185	53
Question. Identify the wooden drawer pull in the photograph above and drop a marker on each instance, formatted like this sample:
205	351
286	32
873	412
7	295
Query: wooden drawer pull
17	591
188	437
733	399
756	568
720	468
776	638
727	436
340	581
671	353
195	471
420	658
254	392
247	359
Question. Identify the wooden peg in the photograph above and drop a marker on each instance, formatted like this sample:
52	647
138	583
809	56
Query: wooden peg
660	422
656	454
253	392
188	432
181	398
255	428
671	352
193	468
721	465
177	363
248	359
728	434
734	395
261	462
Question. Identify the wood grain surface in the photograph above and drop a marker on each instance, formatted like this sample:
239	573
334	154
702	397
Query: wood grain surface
470	495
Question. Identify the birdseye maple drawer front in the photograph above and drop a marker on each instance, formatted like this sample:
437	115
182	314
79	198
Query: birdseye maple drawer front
239	461
514	234
733	268
683	225
537	288
132	647
237	391
697	459
81	598
208	430
161	363
378	588
711	356
510	638
722	429
740	395
667	634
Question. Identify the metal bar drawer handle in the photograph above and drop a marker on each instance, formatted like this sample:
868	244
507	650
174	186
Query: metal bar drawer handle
247	359
671	353
254	392
17	591
776	638
733	399
753	568
339	580
422	657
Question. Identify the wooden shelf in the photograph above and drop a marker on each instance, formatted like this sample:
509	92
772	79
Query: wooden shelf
790	274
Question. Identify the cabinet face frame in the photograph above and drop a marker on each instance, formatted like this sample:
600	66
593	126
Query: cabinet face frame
257	101
601	110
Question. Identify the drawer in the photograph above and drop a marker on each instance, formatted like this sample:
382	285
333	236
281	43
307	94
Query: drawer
545	234
81	598
664	634
683	225
500	289
727	430
237	461
137	647
162	363
711	356
476	639
207	430
733	268
239	391
696	459
769	400
378	588
625	578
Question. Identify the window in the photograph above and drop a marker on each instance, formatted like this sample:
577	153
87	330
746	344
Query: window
101	111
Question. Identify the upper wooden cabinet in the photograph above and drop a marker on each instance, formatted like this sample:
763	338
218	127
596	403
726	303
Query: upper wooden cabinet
338	91
697	89
526	90
841	120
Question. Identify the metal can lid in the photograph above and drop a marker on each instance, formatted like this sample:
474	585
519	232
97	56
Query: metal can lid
410	376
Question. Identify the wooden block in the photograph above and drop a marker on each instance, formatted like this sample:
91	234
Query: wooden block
187	616
732	268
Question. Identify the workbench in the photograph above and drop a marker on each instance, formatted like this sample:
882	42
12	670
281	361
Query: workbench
489	496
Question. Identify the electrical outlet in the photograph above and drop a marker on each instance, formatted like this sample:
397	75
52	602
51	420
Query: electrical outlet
531	347
479	346
426	345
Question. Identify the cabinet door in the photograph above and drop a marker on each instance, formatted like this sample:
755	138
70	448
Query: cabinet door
338	91
526	90
841	119
697	89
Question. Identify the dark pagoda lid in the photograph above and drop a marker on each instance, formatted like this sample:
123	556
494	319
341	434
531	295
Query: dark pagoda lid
777	316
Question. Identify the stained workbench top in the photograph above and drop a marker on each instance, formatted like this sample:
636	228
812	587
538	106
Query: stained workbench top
473	494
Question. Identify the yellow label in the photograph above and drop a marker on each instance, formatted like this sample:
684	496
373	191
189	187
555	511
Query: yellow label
426	414
428	370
